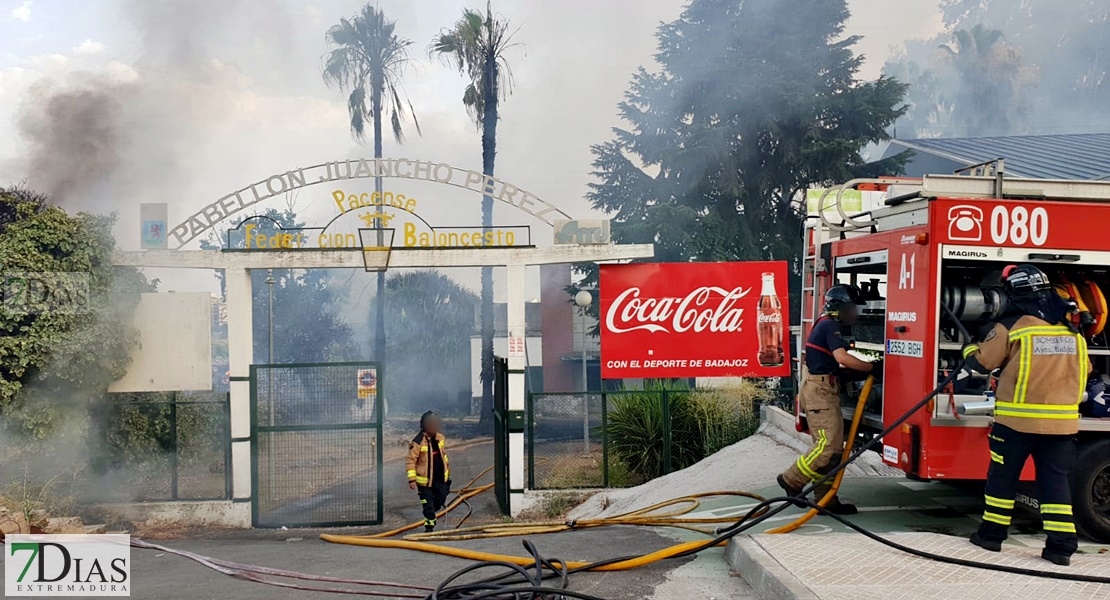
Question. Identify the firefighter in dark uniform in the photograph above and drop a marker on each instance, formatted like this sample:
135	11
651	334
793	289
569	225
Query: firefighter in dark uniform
1044	370
825	357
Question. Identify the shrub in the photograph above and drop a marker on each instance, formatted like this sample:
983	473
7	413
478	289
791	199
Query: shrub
723	416
635	431
702	422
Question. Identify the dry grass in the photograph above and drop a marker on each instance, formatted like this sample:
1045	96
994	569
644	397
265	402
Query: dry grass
565	465
553	506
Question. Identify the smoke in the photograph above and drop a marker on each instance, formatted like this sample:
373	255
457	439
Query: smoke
74	131
103	141
107	139
1018	68
184	35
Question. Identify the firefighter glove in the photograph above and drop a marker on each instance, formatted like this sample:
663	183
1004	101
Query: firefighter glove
877	370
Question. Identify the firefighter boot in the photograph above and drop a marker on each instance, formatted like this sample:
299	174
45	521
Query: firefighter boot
991	545
837	507
429	525
1056	559
793	492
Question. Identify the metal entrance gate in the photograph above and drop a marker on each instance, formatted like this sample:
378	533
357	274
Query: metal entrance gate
316	432
501	433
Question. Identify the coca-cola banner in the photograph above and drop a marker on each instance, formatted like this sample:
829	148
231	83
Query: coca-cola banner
694	320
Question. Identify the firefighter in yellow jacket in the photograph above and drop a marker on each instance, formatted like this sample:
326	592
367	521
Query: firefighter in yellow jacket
429	471
1044	368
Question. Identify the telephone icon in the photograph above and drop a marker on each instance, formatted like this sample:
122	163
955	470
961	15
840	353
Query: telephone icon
965	223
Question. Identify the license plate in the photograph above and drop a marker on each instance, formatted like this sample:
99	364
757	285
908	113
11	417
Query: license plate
905	348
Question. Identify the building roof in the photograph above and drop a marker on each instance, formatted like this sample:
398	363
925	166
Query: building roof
1071	156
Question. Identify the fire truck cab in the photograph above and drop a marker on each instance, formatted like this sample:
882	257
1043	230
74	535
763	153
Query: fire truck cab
933	251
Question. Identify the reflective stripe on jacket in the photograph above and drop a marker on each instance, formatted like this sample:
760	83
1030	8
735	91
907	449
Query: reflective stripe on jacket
418	465
1044	369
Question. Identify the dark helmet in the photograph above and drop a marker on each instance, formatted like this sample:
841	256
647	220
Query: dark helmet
1023	280
428	415
839	295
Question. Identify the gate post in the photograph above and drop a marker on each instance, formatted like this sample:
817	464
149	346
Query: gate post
515	307
240	354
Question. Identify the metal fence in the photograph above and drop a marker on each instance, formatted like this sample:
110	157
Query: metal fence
317	432
173	449
784	392
568	435
567	442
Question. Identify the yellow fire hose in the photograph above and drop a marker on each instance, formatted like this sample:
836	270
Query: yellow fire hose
631	563
462	496
649	516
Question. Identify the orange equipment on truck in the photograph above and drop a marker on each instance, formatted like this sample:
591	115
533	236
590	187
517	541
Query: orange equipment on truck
932	251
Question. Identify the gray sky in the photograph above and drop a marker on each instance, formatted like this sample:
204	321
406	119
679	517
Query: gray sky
206	96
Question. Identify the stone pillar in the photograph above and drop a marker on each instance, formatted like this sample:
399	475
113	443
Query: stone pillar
240	352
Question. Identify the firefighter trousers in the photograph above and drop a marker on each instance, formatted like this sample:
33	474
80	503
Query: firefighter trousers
820	400
432	499
1053	457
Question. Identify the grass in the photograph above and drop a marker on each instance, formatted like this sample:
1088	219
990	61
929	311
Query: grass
558	505
33	499
553	506
563	465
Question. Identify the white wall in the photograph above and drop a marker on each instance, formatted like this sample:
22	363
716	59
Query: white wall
174	352
533	346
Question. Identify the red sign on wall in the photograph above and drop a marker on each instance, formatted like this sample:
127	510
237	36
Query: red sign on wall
694	320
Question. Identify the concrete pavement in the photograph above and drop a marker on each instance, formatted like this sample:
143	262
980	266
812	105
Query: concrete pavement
824	560
848	566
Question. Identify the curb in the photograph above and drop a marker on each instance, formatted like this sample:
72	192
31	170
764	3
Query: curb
759	569
778	418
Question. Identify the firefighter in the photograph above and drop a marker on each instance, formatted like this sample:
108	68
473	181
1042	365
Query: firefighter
1044	370
826	355
429	471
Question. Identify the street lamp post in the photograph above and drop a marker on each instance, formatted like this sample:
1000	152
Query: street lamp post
270	281
583	299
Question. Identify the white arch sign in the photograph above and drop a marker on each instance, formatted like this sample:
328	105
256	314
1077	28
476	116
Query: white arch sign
367	168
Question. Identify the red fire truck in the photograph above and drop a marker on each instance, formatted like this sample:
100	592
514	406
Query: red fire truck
932	251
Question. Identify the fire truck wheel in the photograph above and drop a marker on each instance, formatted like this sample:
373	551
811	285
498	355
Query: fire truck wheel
1090	488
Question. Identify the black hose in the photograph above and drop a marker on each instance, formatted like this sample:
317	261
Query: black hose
517	583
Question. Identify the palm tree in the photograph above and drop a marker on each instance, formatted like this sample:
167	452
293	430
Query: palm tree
369	58
476	45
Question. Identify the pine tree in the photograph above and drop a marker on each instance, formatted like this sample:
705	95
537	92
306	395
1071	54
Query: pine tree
753	102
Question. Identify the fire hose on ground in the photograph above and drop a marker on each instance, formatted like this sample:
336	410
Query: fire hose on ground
755	515
526	575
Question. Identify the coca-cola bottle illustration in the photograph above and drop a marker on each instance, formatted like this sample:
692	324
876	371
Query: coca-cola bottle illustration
770	325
